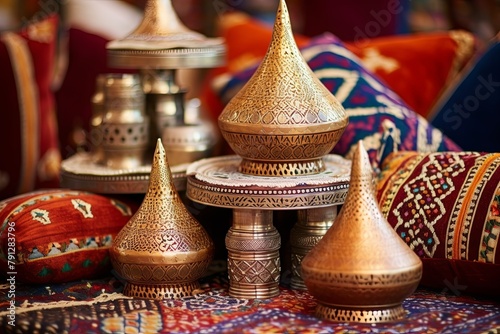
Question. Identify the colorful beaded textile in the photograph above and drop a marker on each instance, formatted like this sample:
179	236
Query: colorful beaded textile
99	306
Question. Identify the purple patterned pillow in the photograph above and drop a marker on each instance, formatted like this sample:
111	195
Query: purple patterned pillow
375	112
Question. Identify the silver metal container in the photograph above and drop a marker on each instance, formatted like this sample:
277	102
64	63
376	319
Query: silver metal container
125	125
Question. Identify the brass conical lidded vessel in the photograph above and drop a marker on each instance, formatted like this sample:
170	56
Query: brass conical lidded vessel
163	250
284	120
361	270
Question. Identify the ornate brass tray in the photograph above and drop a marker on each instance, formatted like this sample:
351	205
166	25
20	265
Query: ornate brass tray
82	172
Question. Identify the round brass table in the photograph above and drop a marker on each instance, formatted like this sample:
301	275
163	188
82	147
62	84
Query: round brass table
253	242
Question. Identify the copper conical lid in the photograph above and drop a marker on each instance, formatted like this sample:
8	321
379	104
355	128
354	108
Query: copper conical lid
284	113
162	41
361	239
362	263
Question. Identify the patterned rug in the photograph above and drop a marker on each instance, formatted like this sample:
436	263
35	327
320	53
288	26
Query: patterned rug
98	306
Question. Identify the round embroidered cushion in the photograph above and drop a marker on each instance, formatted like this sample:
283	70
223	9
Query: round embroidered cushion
58	235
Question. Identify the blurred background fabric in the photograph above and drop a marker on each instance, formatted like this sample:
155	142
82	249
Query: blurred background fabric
346	19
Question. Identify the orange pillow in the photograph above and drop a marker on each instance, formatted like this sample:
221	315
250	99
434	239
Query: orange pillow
416	67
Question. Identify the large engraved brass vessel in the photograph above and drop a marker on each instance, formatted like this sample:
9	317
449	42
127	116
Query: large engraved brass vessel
163	250
284	120
361	270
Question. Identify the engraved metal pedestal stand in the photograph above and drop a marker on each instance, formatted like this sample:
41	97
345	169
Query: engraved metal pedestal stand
253	242
158	47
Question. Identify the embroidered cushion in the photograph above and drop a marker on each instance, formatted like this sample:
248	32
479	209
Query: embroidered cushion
369	103
424	62
28	131
59	235
446	207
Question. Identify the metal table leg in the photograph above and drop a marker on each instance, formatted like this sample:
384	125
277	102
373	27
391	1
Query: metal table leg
253	245
311	226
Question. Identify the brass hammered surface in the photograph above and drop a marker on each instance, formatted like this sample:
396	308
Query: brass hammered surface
283	113
124	127
162	243
265	168
283	94
82	171
258	271
361	263
282	199
282	155
144	273
160	291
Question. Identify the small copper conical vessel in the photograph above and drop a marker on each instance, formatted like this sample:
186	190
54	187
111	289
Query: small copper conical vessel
361	270
284	120
163	250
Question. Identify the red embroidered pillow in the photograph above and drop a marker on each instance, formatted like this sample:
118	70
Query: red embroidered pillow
446	207
58	235
28	132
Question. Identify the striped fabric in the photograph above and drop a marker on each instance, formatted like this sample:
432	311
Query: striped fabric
446	206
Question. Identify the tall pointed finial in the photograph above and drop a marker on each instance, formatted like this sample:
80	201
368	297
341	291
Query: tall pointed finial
160	180
361	270
362	176
284	120
282	30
